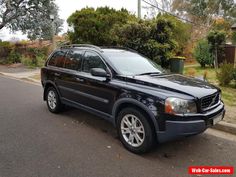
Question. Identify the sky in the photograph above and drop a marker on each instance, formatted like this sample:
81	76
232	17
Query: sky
67	7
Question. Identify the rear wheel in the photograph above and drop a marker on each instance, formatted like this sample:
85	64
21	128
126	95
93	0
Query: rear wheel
134	131
53	100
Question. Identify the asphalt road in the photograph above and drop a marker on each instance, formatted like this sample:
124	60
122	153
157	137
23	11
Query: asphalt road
37	143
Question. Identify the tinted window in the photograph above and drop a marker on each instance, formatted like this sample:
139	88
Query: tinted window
92	60
130	63
73	60
57	59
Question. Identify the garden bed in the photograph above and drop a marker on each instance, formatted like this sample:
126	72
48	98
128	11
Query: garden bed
228	93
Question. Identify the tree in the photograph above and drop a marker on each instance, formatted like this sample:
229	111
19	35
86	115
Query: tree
32	17
202	53
216	39
154	9
181	32
220	24
46	28
205	11
153	39
95	26
206	15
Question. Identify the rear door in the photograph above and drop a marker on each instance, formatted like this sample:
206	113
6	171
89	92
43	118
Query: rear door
72	66
55	67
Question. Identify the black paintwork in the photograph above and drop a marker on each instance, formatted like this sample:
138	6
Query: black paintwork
105	96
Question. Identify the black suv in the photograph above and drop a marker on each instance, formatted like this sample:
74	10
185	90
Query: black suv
145	103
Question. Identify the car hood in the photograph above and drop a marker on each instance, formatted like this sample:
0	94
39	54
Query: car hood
177	83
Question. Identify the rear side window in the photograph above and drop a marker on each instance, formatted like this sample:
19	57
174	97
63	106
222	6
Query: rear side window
73	60
57	59
92	60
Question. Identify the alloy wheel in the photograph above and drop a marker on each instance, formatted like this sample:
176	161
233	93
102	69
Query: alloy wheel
132	130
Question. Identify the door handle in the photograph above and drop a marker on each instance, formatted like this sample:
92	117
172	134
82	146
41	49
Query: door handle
79	79
57	74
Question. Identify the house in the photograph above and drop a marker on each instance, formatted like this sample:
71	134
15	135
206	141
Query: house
229	52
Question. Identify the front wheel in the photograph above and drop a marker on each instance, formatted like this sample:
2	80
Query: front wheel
135	131
53	100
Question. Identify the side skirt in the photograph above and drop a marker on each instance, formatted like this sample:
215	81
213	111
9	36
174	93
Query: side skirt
88	109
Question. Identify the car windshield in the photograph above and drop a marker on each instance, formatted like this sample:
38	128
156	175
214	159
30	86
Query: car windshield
130	63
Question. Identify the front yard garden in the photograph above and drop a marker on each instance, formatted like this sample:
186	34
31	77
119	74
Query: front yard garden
228	92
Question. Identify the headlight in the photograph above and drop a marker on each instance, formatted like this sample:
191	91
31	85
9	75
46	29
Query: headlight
179	106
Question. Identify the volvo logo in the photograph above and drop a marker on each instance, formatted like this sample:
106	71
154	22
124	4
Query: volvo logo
213	100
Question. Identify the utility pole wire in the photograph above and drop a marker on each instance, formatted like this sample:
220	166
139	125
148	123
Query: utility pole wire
184	19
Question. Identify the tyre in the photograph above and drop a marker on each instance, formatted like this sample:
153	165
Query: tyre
53	101
135	132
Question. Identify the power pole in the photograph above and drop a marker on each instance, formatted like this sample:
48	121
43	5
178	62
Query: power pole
139	9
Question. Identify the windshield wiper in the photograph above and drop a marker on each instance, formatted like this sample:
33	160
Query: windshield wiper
149	73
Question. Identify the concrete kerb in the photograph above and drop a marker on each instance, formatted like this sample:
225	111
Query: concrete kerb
226	127
26	76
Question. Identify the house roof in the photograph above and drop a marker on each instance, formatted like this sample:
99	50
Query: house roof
233	26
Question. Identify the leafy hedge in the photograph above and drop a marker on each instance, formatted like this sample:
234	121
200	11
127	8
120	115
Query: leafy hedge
202	53
18	53
226	74
158	39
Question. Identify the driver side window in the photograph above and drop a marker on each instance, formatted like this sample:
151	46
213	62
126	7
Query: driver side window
92	60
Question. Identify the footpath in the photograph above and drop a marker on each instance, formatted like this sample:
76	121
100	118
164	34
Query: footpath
18	71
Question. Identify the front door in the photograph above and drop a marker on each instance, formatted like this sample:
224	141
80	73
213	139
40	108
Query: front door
95	92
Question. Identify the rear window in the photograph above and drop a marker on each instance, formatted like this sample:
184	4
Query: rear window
57	59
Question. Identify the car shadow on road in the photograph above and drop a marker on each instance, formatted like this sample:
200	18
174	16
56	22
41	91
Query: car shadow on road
198	150
93	121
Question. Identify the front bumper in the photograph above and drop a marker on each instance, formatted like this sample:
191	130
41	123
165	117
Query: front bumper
198	123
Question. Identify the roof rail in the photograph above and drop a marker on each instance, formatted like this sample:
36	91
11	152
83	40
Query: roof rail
81	45
118	47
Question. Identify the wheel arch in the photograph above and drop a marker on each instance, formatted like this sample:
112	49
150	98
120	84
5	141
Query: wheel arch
129	102
46	86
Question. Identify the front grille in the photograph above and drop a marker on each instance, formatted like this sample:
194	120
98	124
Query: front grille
210	101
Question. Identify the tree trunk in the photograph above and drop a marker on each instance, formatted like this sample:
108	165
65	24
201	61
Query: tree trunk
1	26
216	59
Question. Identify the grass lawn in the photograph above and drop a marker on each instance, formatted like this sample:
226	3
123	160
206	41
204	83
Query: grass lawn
228	93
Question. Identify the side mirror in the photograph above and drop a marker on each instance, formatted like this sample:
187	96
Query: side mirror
99	72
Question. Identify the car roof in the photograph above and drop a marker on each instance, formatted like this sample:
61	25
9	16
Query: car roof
97	48
113	50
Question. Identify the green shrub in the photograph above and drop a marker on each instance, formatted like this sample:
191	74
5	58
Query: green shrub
38	61
14	57
26	61
202	53
226	74
5	50
234	75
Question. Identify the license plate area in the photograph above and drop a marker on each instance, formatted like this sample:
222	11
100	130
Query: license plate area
212	121
217	118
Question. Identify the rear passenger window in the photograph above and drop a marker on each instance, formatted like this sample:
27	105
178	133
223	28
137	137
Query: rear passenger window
57	59
73	60
92	60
